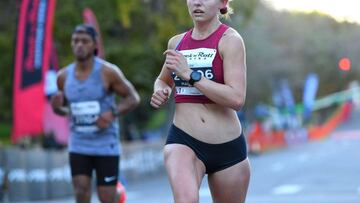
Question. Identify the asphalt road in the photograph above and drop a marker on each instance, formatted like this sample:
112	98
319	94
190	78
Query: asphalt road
325	171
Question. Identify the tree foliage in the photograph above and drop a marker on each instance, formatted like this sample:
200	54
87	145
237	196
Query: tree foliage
7	42
291	45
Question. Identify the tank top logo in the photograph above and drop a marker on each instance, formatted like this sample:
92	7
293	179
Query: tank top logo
84	116
200	60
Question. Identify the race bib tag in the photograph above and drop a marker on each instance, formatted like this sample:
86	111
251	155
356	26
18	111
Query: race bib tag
200	60
84	116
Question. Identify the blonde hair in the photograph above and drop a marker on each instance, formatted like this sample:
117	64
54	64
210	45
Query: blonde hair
229	11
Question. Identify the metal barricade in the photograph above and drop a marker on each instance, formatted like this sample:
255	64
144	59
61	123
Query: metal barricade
15	166
59	175
36	174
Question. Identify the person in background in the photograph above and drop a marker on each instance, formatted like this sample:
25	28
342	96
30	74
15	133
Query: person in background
206	67
86	92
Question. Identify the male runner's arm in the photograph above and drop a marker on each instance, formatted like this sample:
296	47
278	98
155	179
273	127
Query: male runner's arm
118	83
58	101
123	88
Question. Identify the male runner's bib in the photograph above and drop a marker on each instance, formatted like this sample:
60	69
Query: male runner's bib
84	115
202	56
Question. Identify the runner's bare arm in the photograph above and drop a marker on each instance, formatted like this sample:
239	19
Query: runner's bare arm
58	101
130	98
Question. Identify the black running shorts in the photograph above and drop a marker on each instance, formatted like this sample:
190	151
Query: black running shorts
106	167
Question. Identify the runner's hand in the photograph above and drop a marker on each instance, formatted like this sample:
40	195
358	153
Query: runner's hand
160	97
105	119
177	63
57	100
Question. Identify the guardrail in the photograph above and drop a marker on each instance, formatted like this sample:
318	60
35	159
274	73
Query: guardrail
42	174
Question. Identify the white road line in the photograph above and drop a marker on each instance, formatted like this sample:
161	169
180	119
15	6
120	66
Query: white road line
204	192
287	189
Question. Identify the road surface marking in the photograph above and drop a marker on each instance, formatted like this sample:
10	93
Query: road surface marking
287	189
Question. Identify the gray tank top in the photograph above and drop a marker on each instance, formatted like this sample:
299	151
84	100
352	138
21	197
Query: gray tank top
87	99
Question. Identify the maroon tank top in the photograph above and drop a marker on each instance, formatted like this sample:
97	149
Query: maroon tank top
202	56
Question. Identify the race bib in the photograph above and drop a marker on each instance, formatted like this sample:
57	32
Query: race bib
84	116
199	60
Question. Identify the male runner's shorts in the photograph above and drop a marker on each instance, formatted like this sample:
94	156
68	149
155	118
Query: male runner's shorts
215	157
106	167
